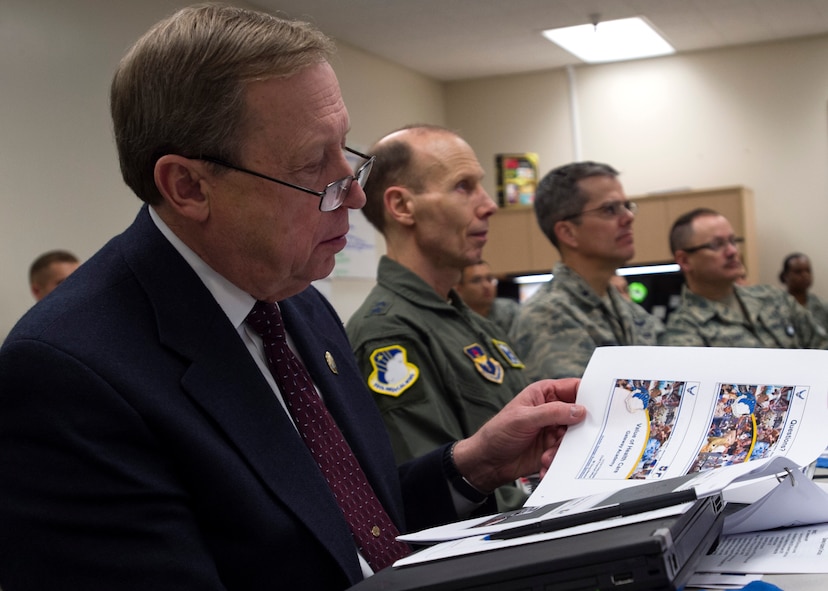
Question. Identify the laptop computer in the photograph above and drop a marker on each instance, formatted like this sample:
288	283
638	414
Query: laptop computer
650	555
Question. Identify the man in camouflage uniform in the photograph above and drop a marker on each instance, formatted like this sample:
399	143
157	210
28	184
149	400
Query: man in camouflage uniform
717	312
478	289
582	209
437	369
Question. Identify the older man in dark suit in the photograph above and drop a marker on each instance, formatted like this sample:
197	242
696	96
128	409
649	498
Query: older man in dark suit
185	412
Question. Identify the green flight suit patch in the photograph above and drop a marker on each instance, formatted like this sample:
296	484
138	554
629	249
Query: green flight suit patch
508	354
392	374
487	367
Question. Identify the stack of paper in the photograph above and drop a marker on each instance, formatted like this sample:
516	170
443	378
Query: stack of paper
745	422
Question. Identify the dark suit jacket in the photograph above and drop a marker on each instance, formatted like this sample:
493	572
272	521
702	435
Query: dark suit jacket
141	448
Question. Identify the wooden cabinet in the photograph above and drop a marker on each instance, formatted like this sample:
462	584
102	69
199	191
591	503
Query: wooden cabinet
517	246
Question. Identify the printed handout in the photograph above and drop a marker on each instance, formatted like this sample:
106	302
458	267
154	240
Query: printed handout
663	412
790	550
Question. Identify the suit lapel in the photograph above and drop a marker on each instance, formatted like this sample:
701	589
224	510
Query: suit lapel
230	388
225	382
320	338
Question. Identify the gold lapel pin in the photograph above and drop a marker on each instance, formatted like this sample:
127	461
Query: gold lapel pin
331	363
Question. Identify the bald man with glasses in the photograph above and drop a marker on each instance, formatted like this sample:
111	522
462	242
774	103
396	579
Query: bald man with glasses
716	311
582	209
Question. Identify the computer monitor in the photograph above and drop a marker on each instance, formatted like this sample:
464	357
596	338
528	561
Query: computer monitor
657	288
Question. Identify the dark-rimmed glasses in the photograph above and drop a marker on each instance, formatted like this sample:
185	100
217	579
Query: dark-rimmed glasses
613	209
715	245
331	197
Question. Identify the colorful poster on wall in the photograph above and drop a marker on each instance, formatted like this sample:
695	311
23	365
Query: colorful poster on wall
517	178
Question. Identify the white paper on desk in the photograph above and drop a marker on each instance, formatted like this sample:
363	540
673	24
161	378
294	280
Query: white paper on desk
704	483
791	550
479	526
471	545
795	501
658	412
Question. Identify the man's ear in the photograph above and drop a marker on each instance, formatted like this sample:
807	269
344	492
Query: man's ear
399	205
181	182
566	233
682	260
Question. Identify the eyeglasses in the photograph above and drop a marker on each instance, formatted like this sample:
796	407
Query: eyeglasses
608	211
478	279
715	245
332	196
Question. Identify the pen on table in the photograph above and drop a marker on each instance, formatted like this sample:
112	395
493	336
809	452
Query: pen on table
633	507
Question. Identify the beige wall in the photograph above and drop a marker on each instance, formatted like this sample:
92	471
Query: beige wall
753	116
61	187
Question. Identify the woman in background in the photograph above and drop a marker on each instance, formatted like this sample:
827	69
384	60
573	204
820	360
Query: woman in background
797	276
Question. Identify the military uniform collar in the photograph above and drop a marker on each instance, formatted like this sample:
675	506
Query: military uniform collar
576	285
402	281
704	309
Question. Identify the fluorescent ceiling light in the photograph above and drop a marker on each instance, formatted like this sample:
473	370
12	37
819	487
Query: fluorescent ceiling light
611	41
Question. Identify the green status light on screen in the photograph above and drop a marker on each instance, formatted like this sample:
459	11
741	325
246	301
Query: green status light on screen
638	292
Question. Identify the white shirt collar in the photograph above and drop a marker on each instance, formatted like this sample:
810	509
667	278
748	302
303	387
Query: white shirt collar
235	302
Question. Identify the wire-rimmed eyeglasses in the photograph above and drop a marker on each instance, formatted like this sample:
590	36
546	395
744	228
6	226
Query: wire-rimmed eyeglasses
331	197
715	245
610	210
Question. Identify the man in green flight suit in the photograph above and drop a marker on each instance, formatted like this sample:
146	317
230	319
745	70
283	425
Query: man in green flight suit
714	310
438	370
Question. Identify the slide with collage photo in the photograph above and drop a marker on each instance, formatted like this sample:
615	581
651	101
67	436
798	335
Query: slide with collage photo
663	412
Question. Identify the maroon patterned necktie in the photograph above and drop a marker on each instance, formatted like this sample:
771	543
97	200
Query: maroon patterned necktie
370	525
